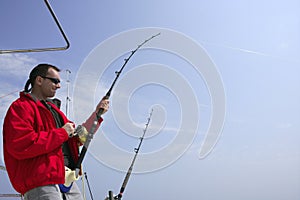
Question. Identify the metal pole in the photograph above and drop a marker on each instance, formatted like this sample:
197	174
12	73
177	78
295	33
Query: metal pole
44	49
68	93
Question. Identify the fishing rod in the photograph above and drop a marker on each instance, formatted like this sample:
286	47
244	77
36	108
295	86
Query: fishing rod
136	150
88	183
90	134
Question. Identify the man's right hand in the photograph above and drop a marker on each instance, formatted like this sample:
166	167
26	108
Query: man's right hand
69	127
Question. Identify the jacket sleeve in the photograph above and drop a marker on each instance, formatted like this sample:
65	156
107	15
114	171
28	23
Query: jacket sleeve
90	121
24	135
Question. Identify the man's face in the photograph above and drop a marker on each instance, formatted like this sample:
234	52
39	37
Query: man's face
50	83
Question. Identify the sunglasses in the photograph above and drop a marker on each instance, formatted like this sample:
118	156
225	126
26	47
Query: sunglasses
54	80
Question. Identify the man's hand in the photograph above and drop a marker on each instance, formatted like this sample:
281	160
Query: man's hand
69	127
104	104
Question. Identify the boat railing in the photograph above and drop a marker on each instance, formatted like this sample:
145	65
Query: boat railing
5	196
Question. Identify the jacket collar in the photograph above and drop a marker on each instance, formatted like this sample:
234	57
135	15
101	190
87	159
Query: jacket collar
54	101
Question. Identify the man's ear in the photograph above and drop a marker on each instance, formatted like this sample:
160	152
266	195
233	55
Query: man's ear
38	80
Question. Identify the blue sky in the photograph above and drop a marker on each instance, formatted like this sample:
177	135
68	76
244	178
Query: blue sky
252	50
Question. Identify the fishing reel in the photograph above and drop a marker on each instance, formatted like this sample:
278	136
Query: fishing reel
82	133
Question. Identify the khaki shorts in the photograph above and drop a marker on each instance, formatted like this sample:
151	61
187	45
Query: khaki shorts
52	192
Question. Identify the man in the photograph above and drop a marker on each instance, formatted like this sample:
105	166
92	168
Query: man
39	141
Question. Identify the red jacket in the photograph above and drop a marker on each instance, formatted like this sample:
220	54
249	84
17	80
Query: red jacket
33	145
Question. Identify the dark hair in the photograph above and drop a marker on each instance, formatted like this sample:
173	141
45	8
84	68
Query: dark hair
39	70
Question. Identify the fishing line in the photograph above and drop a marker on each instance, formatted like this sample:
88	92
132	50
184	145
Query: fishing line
8	94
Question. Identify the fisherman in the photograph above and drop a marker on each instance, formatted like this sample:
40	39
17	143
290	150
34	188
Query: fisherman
39	141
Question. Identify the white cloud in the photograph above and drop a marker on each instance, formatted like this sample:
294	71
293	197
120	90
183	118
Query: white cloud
15	62
14	68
